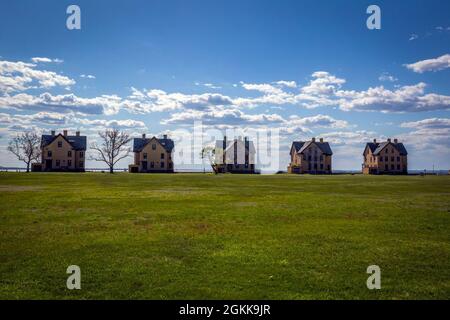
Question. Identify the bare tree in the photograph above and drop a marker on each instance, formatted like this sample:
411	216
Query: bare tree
209	153
112	148
26	147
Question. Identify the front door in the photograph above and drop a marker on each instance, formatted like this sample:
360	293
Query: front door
48	164
144	165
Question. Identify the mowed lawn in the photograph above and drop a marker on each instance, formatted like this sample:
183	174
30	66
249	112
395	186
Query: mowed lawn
200	236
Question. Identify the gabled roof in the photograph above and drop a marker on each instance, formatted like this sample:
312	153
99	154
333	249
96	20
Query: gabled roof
376	148
372	146
140	143
77	142
301	146
297	145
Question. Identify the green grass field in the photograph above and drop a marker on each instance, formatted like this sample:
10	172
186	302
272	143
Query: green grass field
195	236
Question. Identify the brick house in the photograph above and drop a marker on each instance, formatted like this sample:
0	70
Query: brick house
312	157
385	158
62	152
152	155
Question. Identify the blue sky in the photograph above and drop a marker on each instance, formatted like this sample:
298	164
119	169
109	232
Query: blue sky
311	68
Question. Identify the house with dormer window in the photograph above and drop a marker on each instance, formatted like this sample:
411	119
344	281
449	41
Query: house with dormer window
63	152
389	157
152	155
313	157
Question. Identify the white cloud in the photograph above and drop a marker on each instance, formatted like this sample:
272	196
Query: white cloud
436	64
358	137
225	116
431	123
146	101
20	76
324	90
413	37
262	87
105	104
385	76
296	124
87	76
403	99
319	120
208	85
428	135
118	124
46	60
289	84
323	84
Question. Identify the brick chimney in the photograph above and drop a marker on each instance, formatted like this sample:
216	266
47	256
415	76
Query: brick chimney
65	133
374	140
53	132
165	136
313	139
395	141
389	140
77	133
143	136
321	140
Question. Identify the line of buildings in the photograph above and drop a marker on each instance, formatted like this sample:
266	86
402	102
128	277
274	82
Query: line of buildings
63	152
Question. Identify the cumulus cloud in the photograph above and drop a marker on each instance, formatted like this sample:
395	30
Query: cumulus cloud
146	101
41	120
105	104
297	124
323	84
262	87
319	120
350	137
428	135
46	60
225	116
20	76
436	64
432	123
289	84
324	90
404	99
118	124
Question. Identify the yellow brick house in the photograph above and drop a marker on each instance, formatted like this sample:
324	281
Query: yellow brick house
152	155
389	157
63	152
313	157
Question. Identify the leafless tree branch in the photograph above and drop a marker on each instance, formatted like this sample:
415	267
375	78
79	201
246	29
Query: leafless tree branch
26	147
112	147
